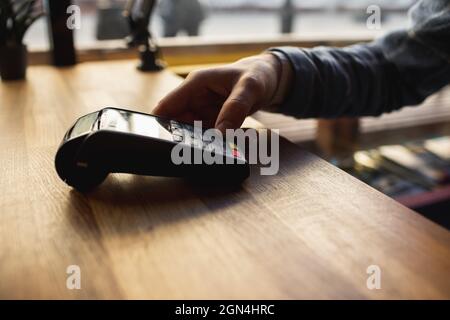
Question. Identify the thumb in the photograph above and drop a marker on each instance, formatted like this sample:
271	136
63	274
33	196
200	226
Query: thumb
238	104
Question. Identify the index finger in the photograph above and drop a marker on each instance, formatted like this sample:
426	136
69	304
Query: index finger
174	103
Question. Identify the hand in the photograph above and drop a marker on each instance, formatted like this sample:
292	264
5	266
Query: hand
222	97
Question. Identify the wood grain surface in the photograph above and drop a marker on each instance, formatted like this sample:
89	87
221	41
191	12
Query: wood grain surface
310	231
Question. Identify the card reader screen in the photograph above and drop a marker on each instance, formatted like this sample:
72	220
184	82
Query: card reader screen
84	125
136	123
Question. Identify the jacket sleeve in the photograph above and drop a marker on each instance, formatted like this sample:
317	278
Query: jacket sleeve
400	69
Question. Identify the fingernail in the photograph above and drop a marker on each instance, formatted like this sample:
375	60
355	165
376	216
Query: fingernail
223	126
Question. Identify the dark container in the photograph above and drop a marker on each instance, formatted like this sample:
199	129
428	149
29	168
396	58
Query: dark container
13	62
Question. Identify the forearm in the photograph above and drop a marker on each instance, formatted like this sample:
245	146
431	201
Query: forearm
362	80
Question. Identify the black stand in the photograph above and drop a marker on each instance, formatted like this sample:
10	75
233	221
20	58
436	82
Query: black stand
150	57
140	36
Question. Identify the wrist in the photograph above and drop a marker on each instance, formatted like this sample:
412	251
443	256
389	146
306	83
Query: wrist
284	80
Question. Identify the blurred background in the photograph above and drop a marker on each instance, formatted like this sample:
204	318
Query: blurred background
404	154
232	18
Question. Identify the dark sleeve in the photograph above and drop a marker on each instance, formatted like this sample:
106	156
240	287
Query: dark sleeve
369	79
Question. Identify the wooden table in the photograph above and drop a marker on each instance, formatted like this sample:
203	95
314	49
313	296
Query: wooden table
309	232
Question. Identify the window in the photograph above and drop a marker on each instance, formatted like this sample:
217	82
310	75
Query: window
103	25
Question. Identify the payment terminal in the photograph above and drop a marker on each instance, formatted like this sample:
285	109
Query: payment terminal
115	140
